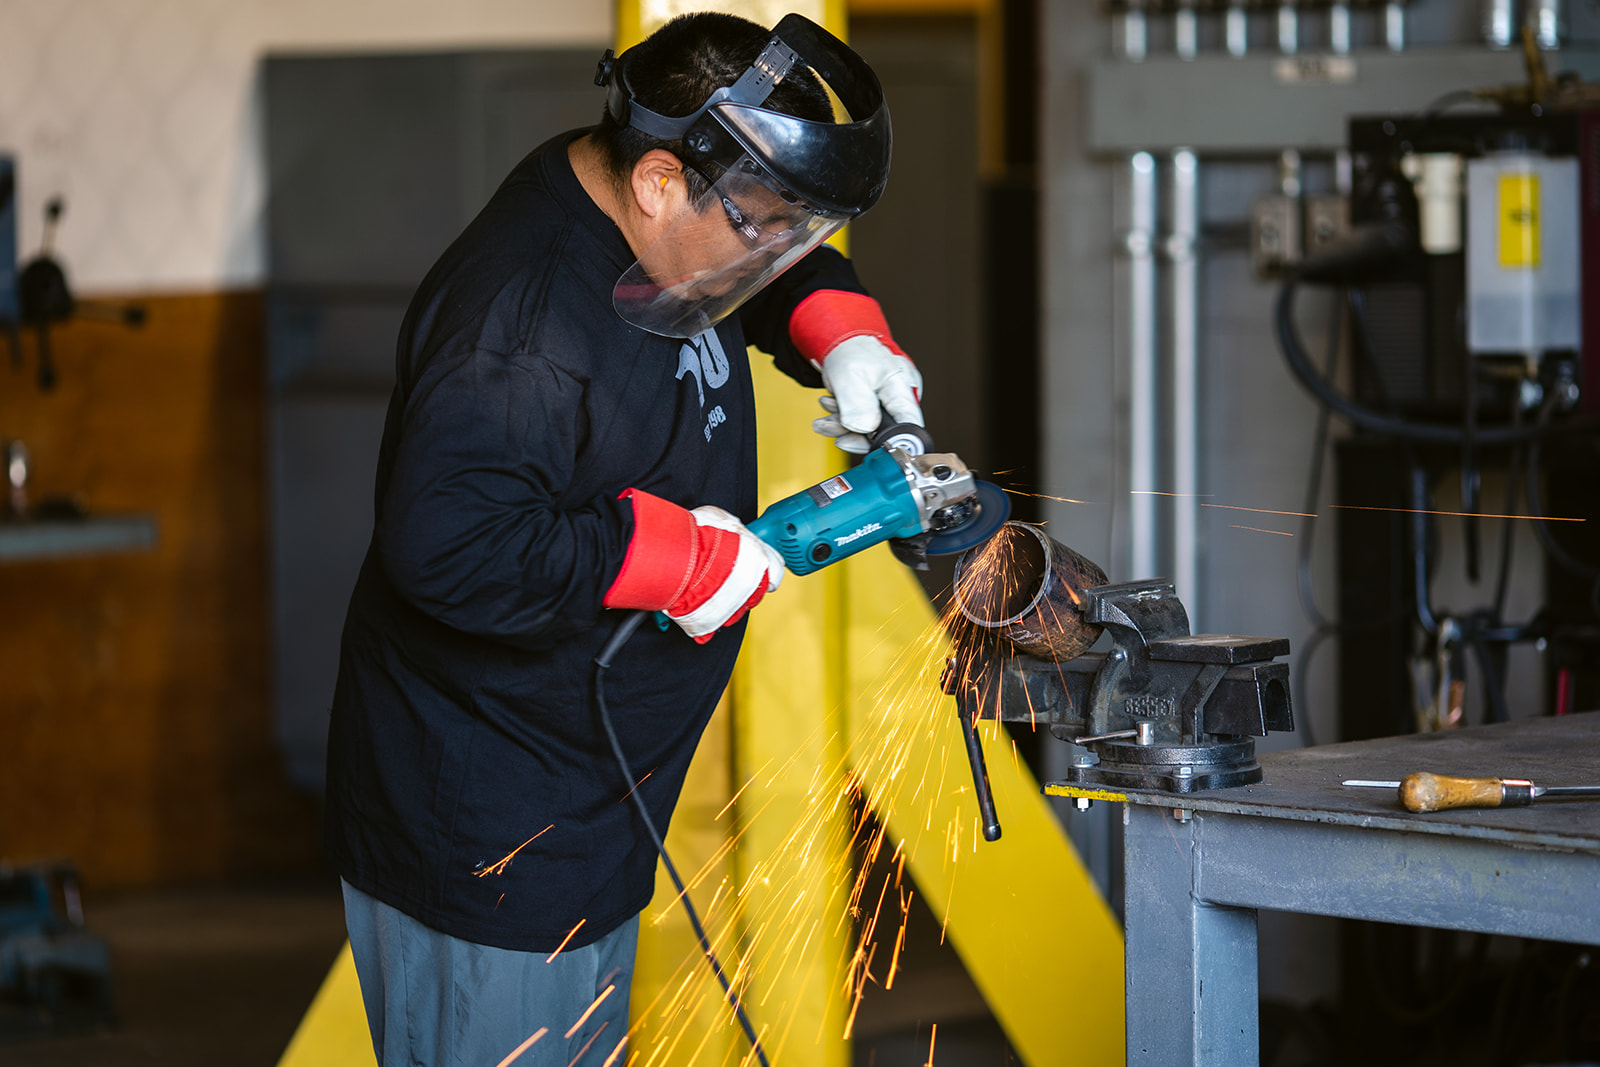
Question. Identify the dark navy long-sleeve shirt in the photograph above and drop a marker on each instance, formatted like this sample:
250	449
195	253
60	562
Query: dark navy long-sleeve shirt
464	725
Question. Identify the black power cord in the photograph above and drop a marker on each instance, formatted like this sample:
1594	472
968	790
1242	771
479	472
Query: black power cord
1324	627
1541	529
1470	477
1319	447
1294	354
602	663
1484	634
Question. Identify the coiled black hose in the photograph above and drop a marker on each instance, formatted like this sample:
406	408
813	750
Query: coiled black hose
1294	353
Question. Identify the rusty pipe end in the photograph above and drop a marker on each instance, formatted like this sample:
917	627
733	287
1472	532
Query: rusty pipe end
1027	587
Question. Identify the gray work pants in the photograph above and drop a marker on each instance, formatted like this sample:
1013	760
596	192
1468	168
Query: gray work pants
433	1000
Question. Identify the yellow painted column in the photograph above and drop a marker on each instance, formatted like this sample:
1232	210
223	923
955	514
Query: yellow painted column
795	815
788	693
770	838
765	818
679	1014
1022	912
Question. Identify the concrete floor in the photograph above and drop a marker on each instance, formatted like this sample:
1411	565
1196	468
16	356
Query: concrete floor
203	976
894	1026
222	975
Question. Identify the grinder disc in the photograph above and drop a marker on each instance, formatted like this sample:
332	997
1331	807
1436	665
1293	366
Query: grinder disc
993	508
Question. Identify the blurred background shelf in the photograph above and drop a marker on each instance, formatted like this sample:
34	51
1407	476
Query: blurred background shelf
49	539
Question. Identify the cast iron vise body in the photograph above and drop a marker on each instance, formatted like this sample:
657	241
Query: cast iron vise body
1163	709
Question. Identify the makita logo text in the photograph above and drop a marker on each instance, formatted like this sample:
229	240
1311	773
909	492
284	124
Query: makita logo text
859	534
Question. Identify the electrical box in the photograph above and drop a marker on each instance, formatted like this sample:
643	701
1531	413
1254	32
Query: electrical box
1519	289
1523	271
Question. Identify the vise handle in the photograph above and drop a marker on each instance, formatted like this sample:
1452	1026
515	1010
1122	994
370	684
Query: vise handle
980	770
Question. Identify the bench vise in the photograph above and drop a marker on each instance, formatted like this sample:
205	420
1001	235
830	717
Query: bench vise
1162	709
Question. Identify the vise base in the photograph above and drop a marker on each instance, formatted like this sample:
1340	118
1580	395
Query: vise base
1161	709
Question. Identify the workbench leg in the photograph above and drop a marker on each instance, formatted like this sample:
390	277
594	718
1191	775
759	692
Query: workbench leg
1191	968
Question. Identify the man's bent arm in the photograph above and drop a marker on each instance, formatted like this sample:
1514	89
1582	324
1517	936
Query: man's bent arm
765	316
473	529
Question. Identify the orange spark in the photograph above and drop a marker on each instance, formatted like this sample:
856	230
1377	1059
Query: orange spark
615	1052
1154	492
590	1011
781	893
1263	511
520	1049
1462	514
934	1036
735	798
582	1051
550	958
860	989
499	868
899	941
1059	499
636	786
1258	529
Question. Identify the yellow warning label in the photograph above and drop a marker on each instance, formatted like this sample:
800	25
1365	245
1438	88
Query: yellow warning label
1519	221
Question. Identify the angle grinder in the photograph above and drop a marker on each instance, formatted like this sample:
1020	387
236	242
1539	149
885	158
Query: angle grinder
924	503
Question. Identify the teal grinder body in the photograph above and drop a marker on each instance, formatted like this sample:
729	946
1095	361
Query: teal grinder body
862	507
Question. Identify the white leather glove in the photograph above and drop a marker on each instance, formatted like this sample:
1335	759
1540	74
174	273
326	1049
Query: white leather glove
719	592
703	568
866	379
844	335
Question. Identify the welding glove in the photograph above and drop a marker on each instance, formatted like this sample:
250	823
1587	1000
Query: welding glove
703	568
846	337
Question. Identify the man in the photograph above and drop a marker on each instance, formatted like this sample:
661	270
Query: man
572	430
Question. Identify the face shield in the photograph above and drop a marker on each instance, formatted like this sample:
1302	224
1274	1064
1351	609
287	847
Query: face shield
779	185
723	249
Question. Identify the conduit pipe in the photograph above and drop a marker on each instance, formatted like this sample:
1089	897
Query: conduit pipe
1394	26
1143	381
1339	29
1182	250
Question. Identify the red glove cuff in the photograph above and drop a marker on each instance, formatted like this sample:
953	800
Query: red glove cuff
661	556
829	316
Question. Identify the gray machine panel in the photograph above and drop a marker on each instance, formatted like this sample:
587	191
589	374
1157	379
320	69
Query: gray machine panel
1164	103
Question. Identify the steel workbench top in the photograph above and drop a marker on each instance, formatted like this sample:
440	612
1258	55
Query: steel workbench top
1304	784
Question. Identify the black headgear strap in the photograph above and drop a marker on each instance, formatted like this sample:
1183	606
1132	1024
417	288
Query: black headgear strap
753	88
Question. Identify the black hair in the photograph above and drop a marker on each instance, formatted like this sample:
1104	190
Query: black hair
675	69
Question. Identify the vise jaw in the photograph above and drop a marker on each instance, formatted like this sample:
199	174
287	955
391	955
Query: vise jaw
1162	709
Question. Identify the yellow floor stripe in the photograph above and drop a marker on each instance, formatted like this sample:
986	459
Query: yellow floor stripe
334	1031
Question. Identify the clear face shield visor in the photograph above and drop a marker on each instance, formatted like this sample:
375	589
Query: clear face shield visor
719	252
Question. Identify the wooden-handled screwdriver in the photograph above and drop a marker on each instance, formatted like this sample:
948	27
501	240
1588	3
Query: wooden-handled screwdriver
1424	792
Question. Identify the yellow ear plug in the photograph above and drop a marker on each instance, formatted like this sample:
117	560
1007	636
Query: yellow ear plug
663	181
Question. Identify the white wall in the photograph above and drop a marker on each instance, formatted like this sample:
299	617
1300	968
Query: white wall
143	115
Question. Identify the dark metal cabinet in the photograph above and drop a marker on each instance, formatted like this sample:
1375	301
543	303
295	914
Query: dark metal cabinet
374	165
